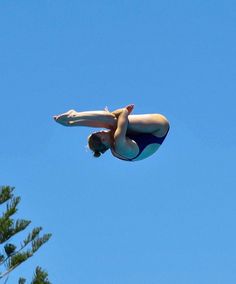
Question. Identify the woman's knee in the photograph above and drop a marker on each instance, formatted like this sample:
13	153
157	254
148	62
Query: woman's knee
163	124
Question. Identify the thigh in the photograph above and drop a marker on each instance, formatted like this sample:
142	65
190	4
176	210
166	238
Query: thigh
156	124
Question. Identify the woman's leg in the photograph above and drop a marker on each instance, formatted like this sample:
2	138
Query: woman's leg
156	124
100	119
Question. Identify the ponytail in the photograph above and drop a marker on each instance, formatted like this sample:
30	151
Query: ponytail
96	154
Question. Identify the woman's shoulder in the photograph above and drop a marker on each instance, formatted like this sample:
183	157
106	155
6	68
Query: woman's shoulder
128	149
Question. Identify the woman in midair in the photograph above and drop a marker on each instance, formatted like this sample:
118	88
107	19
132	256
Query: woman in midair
129	137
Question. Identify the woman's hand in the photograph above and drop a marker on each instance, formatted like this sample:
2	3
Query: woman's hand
117	112
130	108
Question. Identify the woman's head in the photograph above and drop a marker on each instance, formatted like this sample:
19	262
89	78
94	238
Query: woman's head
98	142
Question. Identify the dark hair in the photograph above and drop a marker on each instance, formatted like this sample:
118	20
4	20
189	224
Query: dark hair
95	144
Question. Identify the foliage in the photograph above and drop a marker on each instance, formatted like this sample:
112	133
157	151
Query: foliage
11	255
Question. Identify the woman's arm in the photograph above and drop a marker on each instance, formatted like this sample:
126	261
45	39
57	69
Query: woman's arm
122	125
123	146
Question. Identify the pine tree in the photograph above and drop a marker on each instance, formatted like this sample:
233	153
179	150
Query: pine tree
11	255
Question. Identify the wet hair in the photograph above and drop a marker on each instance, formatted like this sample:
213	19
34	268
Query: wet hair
95	144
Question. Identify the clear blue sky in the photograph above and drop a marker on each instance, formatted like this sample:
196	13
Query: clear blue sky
167	219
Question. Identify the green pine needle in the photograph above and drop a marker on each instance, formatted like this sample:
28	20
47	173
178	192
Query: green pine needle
5	193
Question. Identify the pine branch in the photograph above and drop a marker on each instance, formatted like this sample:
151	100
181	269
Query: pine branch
7	226
6	280
12	257
35	233
21	225
8	229
5	193
9	249
34	239
22	281
38	242
14	261
16	258
12	207
19	257
40	277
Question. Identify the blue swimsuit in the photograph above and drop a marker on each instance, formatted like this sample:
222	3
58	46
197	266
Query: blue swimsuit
143	140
